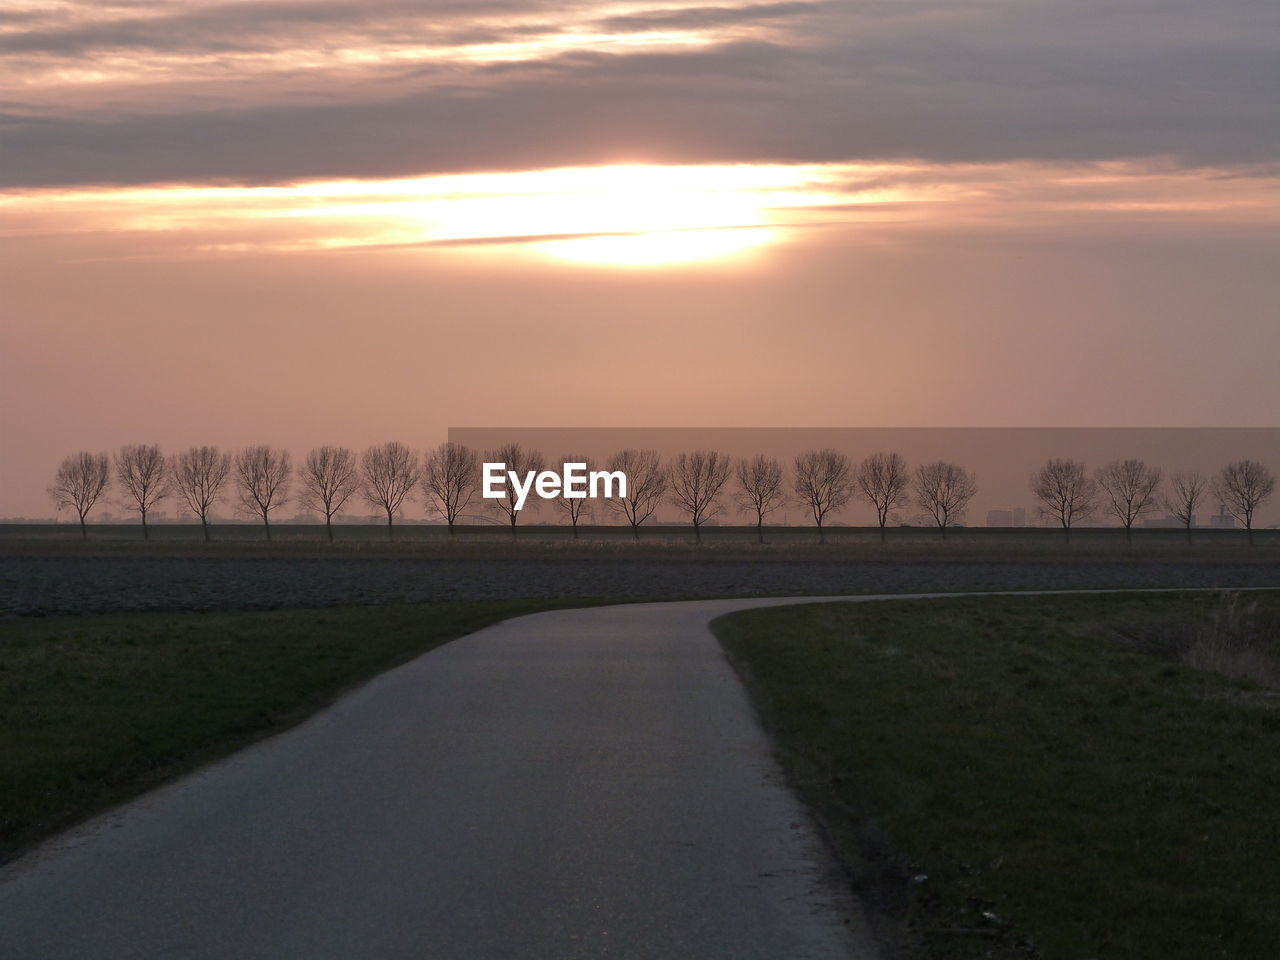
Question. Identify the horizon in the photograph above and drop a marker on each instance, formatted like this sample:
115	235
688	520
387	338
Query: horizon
1001	459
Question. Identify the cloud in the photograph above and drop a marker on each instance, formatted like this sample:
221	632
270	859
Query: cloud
772	203
237	26
685	17
982	81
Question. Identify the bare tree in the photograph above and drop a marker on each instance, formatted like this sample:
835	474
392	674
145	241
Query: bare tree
943	490
329	479
390	472
696	482
646	485
574	508
198	475
1132	488
79	483
521	462
1242	487
882	481
262	480
823	483
1065	491
449	479
144	473
760	488
1186	493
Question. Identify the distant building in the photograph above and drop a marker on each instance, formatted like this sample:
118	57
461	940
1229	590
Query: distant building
1168	520
1222	520
999	518
1017	517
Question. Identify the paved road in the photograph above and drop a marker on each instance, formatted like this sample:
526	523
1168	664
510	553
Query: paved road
584	783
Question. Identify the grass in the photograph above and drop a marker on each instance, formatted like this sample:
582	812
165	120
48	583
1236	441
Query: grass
1035	776
728	543
94	710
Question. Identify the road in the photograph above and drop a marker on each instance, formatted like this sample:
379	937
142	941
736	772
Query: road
579	783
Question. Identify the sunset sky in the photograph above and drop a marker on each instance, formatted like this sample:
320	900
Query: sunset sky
303	222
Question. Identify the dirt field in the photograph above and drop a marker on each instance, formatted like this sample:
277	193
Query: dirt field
55	572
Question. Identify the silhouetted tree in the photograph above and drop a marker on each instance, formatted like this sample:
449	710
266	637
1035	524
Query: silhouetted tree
521	461
1132	488
450	478
1242	487
143	472
760	488
574	508
823	483
1065	492
1186	493
646	485
882	481
389	471
329	479
79	482
696	483
943	490
262	480
198	474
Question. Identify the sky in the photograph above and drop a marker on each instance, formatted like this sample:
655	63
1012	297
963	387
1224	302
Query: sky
301	222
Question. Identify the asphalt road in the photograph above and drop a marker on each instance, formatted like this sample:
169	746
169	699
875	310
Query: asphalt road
582	783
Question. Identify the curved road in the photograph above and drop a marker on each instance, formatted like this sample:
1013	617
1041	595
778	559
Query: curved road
579	783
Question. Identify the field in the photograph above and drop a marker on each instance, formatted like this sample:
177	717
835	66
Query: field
1061	770
49	571
1040	776
288	538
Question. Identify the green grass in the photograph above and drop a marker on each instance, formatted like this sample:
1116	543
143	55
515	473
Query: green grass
1068	787
1014	545
94	710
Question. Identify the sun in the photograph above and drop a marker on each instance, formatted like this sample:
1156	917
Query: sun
623	215
658	247
644	216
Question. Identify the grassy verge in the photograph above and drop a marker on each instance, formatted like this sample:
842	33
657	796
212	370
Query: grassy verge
728	543
1038	777
94	710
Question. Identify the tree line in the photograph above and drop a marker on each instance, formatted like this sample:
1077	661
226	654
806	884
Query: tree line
700	484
